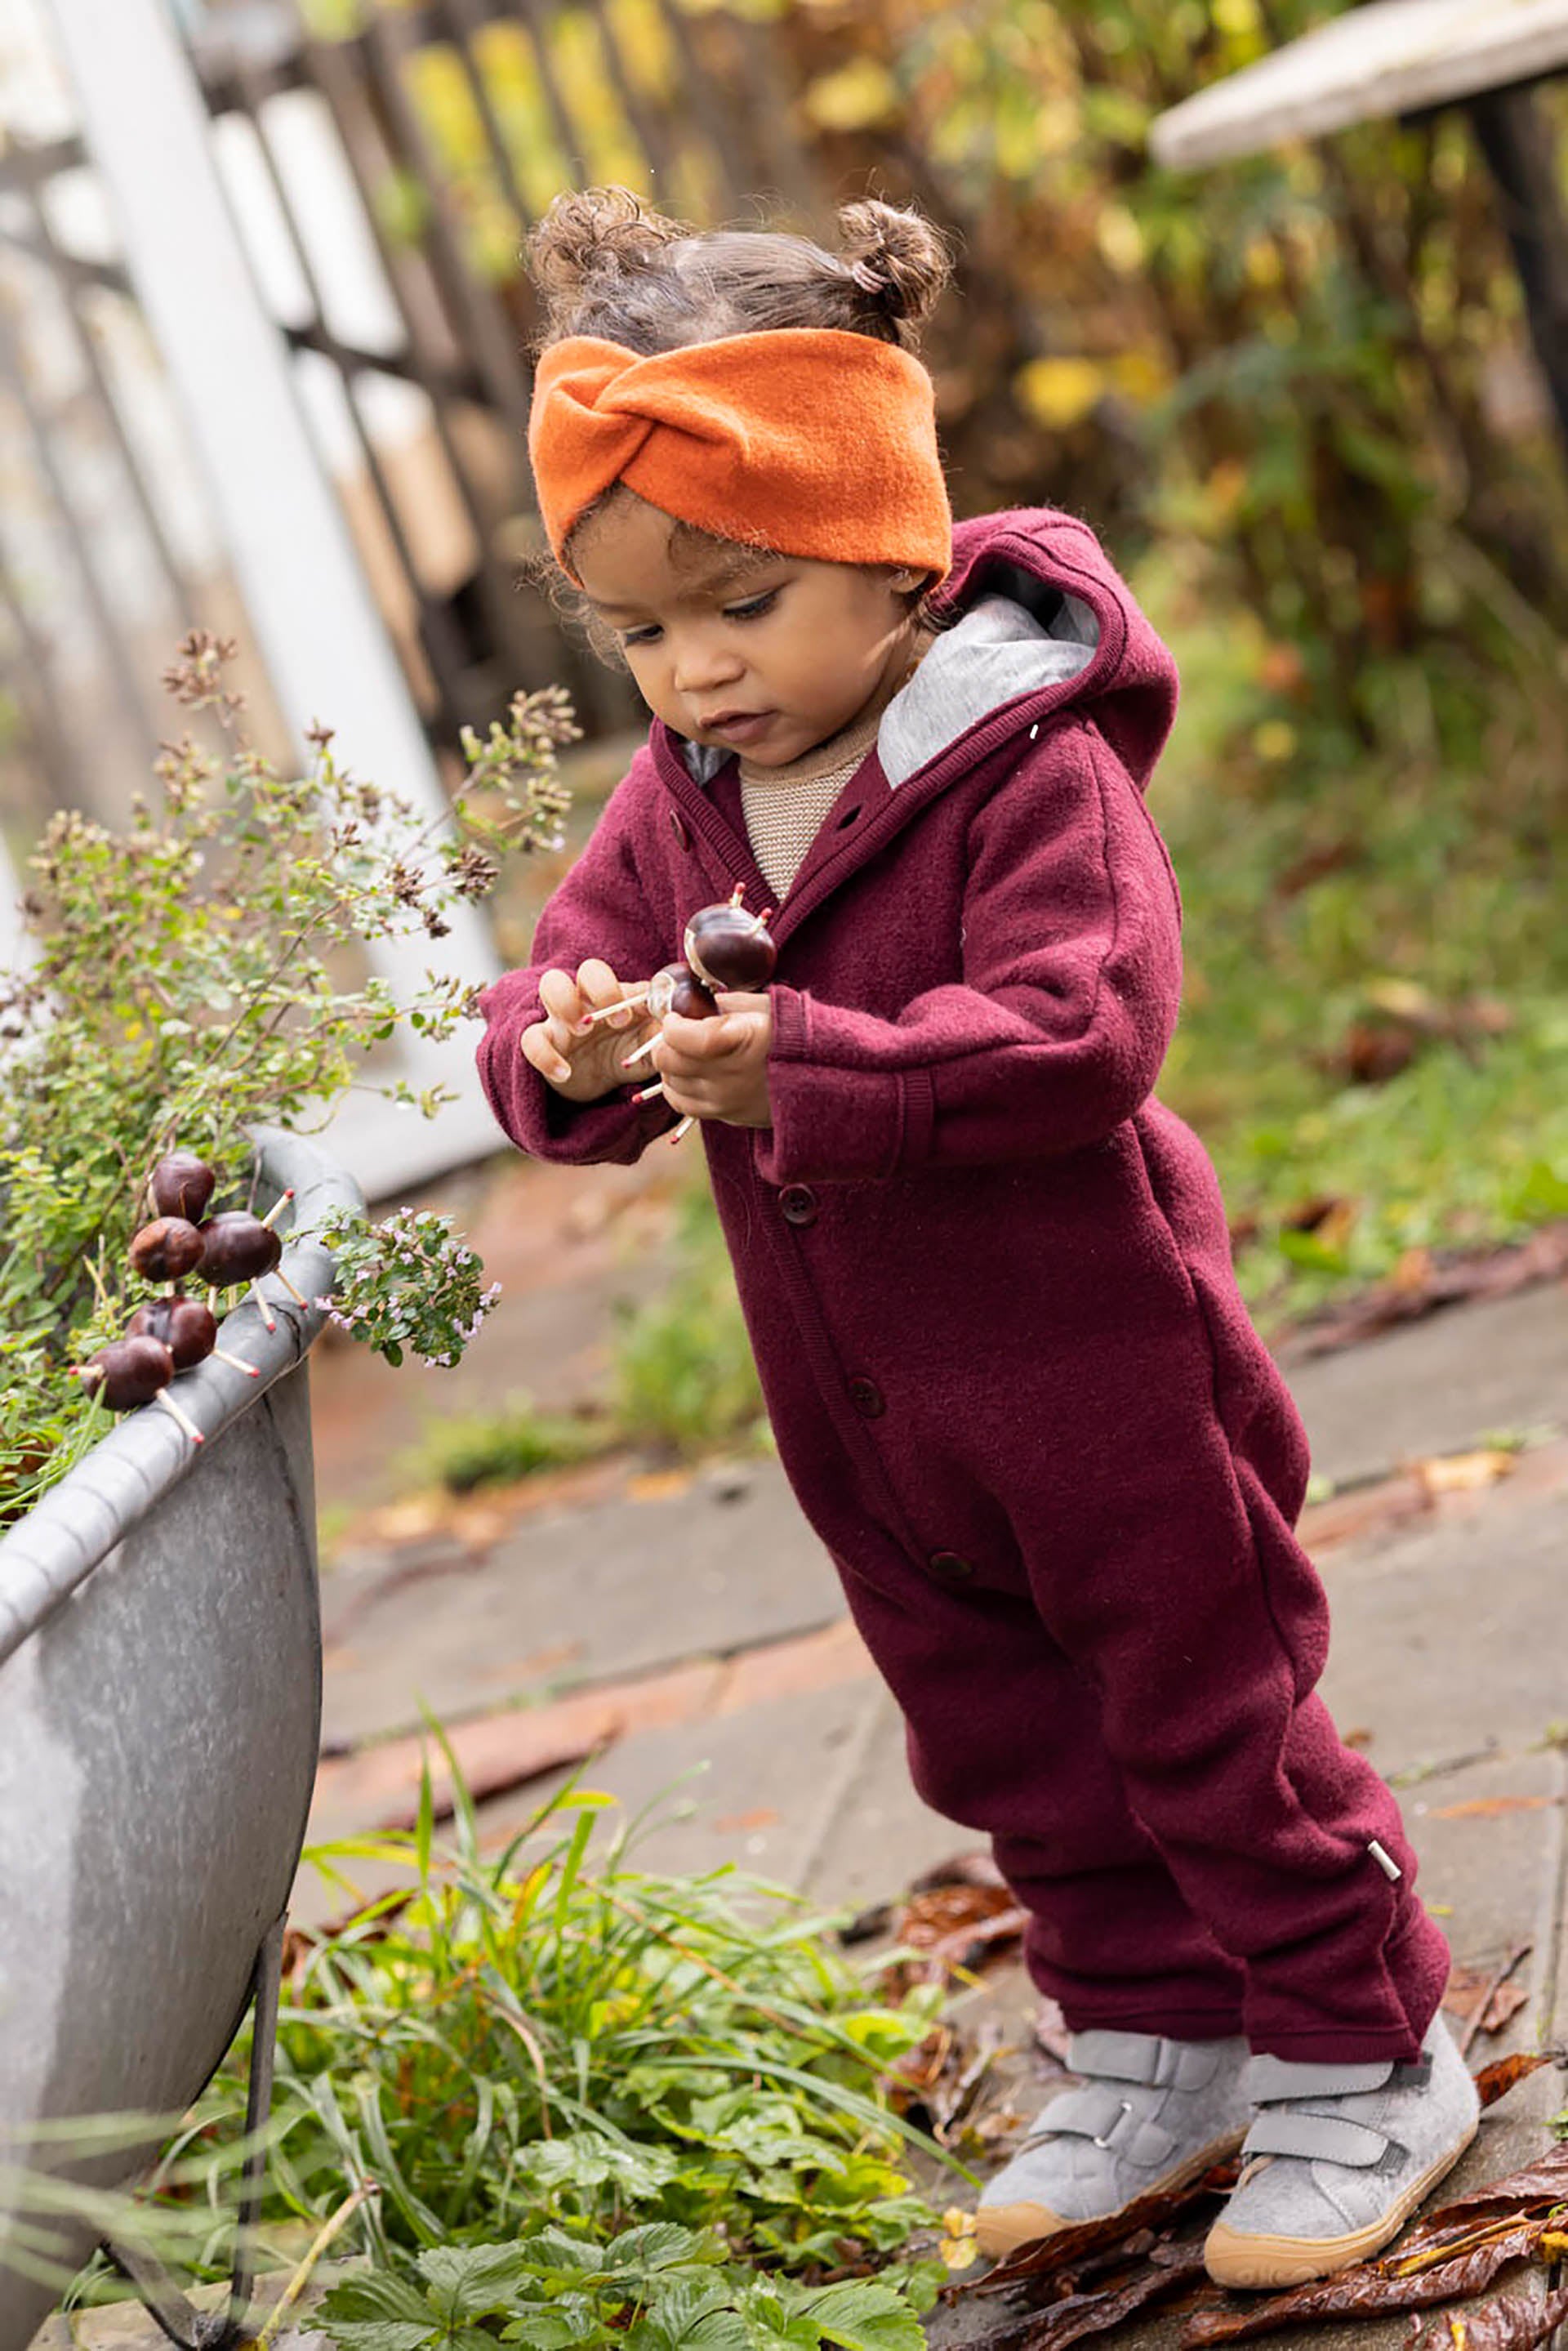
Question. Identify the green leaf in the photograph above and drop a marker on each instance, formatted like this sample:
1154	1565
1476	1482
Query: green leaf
638	2253
378	2311
865	2317
553	2326
466	2280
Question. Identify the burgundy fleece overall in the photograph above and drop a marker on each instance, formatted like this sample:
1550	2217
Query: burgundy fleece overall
988	1280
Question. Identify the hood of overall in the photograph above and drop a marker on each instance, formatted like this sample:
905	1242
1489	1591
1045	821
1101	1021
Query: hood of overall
1032	614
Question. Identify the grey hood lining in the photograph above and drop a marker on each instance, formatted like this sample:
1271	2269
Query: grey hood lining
999	651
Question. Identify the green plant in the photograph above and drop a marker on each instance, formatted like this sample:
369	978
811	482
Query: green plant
594	2102
684	1375
189	979
469	1449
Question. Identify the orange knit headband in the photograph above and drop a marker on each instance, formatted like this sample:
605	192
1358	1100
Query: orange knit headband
805	439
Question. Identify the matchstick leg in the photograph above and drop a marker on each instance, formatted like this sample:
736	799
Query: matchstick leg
621	1004
181	1417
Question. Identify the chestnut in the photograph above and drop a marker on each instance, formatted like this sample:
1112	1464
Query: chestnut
730	947
187	1327
167	1249
676	989
238	1247
129	1372
181	1186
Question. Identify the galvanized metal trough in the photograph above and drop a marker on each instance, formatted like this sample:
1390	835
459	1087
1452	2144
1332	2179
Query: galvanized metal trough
160	1717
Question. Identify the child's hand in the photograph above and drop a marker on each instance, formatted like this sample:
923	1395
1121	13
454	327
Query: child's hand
717	1067
584	1064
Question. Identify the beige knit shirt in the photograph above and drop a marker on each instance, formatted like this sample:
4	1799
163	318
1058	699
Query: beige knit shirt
784	806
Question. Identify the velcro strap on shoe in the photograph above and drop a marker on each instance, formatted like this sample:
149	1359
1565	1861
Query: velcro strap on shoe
1093	2112
1116	2056
1097	2113
1319	2138
1268	2080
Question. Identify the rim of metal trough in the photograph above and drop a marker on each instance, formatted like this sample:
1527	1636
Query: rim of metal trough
77	1522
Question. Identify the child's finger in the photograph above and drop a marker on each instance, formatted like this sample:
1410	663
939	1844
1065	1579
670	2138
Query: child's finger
542	1053
559	995
706	1041
598	985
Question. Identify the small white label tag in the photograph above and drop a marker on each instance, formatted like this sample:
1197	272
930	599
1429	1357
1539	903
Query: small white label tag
1385	1860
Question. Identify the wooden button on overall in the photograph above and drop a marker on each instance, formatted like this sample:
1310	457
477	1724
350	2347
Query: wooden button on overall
949	1568
679	828
868	1398
797	1204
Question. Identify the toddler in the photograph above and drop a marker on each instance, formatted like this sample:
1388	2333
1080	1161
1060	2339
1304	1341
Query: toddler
985	1272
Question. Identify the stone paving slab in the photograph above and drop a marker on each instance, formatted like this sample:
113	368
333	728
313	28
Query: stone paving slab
751	1789
377	1787
1453	1634
572	1596
881	1838
1436	1386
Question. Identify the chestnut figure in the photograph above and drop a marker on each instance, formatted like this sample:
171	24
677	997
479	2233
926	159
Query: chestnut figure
676	989
730	947
129	1372
237	1247
167	1249
187	1327
181	1185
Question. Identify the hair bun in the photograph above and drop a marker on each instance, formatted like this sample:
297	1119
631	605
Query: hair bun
590	233
899	259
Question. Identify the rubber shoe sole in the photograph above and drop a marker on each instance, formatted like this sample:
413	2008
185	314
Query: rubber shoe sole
1235	2259
1001	2229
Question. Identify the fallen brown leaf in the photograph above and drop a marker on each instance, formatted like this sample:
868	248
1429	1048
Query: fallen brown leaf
927	1920
1469	1987
1081	2314
1322	1211
1495	2081
1369	2289
1464	1473
658	1485
1412	1271
977	1868
1372	1052
1512	2322
956	1927
1543	2181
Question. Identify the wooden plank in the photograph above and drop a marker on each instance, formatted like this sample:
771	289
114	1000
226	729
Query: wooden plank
1389	57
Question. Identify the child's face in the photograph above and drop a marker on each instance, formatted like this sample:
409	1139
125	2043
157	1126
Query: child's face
765	657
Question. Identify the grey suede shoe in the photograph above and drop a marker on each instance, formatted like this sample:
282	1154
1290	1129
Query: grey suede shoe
1344	2155
1150	2114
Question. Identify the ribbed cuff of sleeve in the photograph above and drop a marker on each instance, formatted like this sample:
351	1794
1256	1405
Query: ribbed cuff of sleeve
834	1124
544	1123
